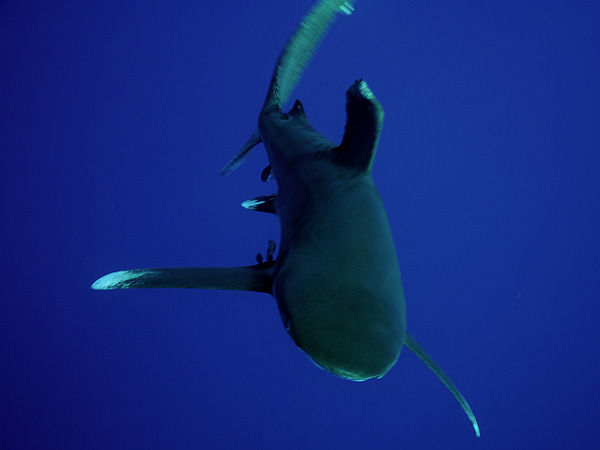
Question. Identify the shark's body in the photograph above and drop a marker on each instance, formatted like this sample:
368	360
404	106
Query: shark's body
336	281
336	278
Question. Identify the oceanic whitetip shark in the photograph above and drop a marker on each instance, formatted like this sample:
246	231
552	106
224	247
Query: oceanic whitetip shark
336	277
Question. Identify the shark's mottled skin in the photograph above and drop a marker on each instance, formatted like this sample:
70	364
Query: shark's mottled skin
336	278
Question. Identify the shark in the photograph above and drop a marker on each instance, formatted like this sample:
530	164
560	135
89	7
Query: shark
336	277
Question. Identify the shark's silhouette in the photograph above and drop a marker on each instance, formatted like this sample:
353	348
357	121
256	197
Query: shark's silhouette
336	278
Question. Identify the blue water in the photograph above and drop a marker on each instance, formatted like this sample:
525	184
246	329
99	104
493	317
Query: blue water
115	118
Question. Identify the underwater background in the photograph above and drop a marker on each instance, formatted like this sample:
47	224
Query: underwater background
115	118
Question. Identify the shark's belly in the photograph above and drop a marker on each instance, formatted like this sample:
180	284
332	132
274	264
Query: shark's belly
339	288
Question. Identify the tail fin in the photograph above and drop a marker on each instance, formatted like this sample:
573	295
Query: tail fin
241	156
414	346
295	56
301	47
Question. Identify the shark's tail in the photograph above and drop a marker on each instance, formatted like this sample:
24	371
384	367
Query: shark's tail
293	59
301	47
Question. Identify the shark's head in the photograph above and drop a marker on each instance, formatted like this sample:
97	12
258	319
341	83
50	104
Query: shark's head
346	328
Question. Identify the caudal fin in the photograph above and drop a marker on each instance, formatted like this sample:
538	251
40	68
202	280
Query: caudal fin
301	47
416	348
242	155
293	59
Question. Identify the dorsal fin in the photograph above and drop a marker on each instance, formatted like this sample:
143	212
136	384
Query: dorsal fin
416	348
293	59
363	127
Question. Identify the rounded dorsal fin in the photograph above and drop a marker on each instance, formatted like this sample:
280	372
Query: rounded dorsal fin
363	127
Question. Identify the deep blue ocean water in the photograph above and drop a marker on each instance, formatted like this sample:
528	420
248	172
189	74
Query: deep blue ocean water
115	119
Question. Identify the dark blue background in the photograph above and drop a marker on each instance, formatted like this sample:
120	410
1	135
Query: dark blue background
115	118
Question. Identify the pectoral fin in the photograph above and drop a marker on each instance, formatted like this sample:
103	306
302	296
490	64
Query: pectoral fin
414	346
258	278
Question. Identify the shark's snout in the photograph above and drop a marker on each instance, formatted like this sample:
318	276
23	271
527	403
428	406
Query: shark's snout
351	338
